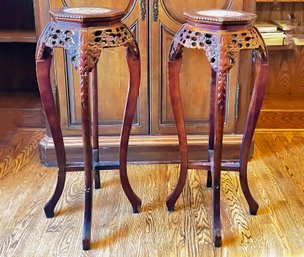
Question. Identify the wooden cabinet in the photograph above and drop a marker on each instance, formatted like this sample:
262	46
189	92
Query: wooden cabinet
20	102
283	106
154	135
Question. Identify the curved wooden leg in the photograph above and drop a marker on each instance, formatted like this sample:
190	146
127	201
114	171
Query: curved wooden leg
251	121
134	68
87	151
43	78
95	134
211	123
173	69
219	114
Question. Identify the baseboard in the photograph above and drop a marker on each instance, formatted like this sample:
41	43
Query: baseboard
142	149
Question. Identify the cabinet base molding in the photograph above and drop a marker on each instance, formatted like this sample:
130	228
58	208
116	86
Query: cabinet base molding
142	149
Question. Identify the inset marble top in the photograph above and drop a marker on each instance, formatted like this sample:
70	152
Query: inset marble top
86	10
87	14
220	17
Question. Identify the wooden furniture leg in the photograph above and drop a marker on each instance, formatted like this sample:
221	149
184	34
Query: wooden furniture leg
222	35
95	134
220	92
133	60
211	124
43	78
87	147
173	69
261	71
83	32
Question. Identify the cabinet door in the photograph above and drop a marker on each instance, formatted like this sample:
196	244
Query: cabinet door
166	19
113	76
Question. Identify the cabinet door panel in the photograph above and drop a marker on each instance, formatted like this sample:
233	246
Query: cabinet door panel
113	78
194	76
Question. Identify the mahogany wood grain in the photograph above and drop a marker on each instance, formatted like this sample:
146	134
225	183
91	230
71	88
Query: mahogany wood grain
175	94
46	94
134	65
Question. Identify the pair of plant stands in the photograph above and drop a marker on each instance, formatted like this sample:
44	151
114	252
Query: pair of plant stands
83	33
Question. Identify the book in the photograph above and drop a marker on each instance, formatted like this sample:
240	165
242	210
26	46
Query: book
298	39
274	41
273	35
274	38
263	26
285	24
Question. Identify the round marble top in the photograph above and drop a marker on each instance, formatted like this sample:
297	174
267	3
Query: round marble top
86	15
220	13
86	10
220	17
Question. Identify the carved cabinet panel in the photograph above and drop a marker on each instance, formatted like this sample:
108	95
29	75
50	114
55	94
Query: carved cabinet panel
113	77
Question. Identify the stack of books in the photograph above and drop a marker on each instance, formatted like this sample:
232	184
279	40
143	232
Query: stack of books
270	33
285	25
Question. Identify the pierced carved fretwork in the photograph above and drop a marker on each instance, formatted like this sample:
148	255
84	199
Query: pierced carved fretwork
221	47
210	41
97	38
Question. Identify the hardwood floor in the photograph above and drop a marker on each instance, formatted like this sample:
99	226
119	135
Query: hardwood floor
276	174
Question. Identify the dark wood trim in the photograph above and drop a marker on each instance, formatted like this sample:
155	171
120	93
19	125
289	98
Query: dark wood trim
142	149
42	17
12	36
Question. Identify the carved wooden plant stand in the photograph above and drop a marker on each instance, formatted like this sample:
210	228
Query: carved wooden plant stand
221	34
83	33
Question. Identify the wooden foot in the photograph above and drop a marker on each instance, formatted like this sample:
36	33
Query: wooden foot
86	236
47	99
51	204
174	68
217	238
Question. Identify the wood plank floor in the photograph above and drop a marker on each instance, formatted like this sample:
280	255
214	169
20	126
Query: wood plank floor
276	174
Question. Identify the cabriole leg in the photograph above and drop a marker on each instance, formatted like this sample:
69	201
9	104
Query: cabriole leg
47	99
261	71
134	68
174	69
